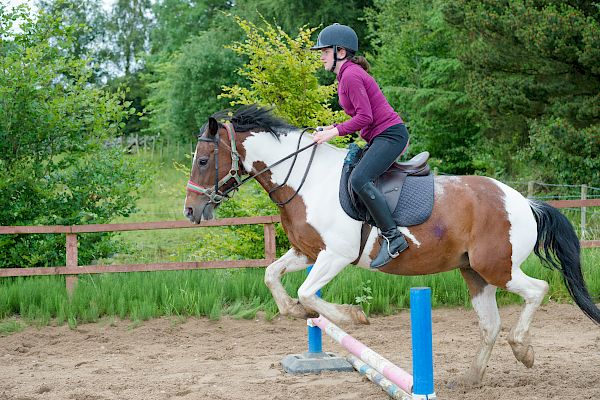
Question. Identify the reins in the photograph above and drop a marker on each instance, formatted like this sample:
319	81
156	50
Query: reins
215	196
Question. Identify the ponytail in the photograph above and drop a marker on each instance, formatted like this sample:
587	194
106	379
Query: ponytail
360	60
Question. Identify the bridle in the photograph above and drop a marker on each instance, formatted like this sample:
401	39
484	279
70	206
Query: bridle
216	195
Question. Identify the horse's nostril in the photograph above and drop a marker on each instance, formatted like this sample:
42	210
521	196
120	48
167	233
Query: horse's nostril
188	212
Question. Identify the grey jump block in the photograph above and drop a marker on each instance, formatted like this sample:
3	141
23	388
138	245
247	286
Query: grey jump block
315	363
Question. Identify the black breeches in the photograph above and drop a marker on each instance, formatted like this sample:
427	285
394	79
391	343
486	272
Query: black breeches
382	152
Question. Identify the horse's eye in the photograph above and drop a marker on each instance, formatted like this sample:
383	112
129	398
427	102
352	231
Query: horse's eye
202	162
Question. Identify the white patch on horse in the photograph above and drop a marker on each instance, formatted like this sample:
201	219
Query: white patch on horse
523	228
406	232
365	259
320	191
441	182
187	192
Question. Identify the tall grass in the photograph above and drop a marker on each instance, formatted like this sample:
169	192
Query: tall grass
240	293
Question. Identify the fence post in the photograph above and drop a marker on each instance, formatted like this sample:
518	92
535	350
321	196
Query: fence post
71	280
530	189
584	190
270	244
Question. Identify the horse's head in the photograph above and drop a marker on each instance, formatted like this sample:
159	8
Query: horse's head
215	169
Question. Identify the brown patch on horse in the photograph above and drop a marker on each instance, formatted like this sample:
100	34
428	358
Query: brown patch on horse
492	256
475	233
474	281
302	235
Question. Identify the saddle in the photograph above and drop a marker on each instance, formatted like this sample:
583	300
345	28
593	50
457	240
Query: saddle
407	187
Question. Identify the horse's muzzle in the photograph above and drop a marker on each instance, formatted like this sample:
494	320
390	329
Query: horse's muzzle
195	215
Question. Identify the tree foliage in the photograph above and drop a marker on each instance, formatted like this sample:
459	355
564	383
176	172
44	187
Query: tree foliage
416	64
88	21
130	25
292	14
281	74
533	73
178	20
54	169
185	87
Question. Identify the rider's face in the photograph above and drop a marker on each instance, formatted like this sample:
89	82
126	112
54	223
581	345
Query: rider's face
327	58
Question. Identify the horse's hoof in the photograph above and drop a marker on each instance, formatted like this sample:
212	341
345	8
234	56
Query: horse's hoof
524	353
358	315
297	310
528	357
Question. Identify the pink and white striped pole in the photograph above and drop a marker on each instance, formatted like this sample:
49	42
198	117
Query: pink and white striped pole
382	365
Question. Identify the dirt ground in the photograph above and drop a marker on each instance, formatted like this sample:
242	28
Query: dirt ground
240	359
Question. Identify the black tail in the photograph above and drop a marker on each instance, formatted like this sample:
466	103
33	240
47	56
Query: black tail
558	247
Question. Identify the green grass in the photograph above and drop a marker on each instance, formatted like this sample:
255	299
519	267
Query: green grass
240	293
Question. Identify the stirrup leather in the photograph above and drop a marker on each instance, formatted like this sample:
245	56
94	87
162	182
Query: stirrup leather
396	254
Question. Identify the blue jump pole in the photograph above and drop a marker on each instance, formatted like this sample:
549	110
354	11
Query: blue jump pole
420	316
315	336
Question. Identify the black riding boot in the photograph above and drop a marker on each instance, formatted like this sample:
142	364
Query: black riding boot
393	241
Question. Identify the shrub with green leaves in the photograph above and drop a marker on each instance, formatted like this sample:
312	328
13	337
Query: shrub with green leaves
54	167
281	71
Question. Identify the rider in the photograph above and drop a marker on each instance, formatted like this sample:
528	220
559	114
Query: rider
362	99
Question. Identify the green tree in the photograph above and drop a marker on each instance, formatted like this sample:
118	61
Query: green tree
533	72
88	21
184	88
293	14
179	20
417	67
130	25
54	167
281	70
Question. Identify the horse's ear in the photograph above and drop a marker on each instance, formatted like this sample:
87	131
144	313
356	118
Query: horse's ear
213	127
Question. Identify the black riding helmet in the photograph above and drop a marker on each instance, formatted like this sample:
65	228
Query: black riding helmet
335	36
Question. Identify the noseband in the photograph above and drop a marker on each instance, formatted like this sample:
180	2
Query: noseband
216	196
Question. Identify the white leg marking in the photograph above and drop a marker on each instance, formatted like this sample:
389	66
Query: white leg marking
533	291
327	266
484	304
523	236
289	262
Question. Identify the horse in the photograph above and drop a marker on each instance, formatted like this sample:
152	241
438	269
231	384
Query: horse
479	225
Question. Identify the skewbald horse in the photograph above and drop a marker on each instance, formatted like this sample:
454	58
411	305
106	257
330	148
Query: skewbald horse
478	225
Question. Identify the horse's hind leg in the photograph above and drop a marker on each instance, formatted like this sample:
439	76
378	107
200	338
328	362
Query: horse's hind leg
289	262
533	292
483	298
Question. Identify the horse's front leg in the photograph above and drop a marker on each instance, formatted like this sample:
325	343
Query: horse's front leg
328	265
289	262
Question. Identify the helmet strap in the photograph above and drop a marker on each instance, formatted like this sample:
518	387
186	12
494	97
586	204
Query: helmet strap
334	58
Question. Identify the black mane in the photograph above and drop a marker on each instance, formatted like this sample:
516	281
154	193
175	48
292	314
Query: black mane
253	117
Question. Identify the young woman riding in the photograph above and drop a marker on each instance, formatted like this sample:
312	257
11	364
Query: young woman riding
378	123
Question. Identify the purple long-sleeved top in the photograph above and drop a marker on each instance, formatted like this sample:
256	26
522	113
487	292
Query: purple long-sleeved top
362	99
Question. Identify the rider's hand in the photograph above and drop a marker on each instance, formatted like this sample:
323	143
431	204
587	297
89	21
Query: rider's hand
324	128
325	135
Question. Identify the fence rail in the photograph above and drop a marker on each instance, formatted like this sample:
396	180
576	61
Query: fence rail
72	268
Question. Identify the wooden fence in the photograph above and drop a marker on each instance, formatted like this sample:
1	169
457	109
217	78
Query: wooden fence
72	269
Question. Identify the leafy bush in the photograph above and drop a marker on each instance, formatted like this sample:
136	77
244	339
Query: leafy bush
54	169
281	73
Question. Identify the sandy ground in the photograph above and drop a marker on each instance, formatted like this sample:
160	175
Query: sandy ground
231	359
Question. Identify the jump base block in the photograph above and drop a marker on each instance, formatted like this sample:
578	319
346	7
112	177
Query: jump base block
314	363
